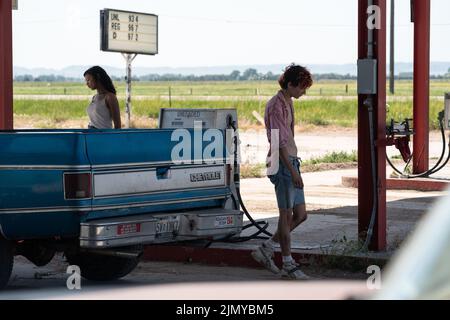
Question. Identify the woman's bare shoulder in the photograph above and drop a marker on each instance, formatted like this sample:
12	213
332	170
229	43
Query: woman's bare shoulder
109	96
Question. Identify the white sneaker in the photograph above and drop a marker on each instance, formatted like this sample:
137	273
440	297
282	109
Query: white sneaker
263	255
292	271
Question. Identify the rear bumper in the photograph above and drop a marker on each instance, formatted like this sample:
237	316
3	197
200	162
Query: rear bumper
160	228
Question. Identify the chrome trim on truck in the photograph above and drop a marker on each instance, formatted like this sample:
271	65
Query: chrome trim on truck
144	229
114	232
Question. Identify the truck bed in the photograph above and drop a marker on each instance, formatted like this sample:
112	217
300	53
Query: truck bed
53	181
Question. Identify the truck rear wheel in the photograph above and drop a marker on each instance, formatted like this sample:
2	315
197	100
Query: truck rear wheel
36	252
6	261
98	267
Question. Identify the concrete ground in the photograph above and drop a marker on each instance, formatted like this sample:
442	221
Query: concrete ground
29	281
182	281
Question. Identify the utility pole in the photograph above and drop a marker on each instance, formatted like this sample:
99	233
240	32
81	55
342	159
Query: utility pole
392	56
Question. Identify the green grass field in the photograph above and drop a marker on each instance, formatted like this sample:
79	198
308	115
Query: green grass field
223	88
320	112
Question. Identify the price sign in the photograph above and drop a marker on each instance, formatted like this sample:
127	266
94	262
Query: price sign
129	32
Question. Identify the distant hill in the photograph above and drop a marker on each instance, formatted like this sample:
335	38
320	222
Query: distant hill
436	68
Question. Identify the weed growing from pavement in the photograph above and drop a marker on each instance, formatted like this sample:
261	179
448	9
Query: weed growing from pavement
342	252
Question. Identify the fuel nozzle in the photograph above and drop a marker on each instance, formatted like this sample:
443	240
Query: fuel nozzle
230	122
398	135
441	115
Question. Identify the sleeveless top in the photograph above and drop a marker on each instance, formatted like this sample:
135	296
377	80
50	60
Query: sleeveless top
99	114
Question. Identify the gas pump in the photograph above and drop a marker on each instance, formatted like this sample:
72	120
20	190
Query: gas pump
447	111
226	120
399	134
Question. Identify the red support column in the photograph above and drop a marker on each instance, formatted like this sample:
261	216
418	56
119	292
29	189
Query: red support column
421	14
365	186
364	171
6	71
379	234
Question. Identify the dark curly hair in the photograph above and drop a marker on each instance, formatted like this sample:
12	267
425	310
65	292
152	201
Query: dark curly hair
101	76
295	74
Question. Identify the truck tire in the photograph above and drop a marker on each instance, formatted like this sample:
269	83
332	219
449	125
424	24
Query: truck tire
99	267
36	252
6	261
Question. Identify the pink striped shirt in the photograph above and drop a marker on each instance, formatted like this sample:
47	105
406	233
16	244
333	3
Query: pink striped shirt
279	115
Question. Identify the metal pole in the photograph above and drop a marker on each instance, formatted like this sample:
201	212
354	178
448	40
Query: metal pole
421	13
379	235
392	55
129	59
6	62
372	44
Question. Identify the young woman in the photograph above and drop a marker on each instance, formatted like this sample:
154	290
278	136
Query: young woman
284	170
104	108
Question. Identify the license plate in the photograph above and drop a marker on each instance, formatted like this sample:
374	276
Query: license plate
167	225
128	228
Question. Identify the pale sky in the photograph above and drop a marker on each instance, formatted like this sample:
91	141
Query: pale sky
60	33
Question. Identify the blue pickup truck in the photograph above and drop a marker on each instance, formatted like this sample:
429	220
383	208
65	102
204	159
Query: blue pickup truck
99	196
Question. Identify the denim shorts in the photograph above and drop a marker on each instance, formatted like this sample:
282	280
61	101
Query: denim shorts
288	196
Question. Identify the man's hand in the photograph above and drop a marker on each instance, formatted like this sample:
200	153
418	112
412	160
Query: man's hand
297	180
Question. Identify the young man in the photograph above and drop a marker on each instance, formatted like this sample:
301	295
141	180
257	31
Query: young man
284	170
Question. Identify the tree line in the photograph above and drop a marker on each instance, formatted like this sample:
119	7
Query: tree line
248	75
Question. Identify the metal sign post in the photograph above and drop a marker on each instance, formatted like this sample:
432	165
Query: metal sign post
129	59
129	33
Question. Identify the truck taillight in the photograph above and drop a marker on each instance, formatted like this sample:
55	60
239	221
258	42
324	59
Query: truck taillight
77	185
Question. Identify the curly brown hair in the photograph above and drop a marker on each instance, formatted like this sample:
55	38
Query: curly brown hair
295	74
